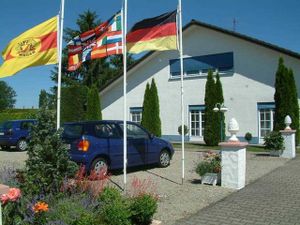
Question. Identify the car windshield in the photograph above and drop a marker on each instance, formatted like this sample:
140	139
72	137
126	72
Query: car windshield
73	130
6	125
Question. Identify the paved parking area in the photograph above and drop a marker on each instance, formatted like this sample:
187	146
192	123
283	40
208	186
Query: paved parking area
272	199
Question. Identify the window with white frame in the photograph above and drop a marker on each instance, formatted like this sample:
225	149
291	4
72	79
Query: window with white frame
136	114
266	118
196	119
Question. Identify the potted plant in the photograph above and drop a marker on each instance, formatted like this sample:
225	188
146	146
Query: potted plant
274	143
185	130
210	168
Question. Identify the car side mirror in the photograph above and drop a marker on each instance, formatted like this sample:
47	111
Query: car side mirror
152	136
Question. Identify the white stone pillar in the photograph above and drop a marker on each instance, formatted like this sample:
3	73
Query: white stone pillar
233	164
289	151
288	134
233	161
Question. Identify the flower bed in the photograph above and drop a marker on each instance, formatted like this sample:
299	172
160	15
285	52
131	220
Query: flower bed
82	200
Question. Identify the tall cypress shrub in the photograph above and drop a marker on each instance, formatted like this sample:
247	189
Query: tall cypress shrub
146	115
220	99
156	122
294	104
210	121
286	99
280	96
93	111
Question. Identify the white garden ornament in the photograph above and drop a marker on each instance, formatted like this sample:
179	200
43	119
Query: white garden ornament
233	129
288	122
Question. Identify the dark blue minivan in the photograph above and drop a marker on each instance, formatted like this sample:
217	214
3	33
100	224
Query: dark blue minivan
15	133
99	145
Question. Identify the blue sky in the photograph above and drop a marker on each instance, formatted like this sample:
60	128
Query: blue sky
276	22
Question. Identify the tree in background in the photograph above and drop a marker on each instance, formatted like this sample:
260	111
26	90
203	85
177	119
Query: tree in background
73	103
154	103
97	72
211	133
286	98
220	99
93	111
7	96
147	112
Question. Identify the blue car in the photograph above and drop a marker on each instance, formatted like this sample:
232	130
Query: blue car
15	133
98	145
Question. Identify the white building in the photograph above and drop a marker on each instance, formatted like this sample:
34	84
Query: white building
247	68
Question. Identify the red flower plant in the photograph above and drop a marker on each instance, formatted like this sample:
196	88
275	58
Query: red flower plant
143	186
94	182
4	199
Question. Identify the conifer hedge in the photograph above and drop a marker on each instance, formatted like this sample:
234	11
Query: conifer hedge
93	105
73	103
17	114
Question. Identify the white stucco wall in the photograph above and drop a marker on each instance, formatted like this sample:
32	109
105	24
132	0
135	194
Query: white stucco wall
252	81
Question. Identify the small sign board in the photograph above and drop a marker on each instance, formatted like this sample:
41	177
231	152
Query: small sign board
210	178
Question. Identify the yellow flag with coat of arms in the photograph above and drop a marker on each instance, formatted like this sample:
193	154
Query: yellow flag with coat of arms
36	46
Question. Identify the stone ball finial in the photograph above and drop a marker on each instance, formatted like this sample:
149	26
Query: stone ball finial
233	128
287	122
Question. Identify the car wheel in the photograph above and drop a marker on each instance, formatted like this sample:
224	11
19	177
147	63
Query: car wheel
22	145
100	166
164	158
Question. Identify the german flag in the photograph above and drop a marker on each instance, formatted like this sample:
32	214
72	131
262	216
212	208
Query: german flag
157	33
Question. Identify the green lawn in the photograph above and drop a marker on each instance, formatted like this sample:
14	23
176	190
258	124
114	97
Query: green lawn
203	147
196	146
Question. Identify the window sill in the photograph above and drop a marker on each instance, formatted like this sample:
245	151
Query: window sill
196	76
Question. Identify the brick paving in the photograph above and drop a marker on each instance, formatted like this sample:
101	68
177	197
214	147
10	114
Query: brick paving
272	199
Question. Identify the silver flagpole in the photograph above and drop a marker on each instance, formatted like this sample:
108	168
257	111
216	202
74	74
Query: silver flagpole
60	30
182	92
124	32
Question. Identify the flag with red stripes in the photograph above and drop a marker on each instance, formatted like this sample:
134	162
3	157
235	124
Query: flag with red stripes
104	40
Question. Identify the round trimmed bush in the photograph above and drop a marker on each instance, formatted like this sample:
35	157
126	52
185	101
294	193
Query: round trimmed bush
248	136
